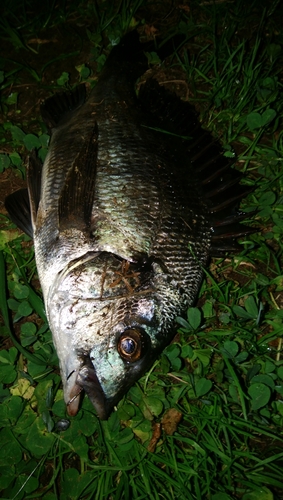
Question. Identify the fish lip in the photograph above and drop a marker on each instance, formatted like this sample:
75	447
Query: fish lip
73	401
87	380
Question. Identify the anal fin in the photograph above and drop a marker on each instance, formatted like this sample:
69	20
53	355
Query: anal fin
60	105
18	206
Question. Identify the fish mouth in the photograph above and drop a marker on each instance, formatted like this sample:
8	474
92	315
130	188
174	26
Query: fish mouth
87	381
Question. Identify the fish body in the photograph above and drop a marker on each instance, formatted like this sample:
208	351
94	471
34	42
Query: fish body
122	225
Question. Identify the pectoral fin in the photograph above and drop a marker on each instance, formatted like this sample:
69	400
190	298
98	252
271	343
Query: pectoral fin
76	201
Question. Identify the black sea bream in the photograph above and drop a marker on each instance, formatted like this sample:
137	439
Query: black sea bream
124	214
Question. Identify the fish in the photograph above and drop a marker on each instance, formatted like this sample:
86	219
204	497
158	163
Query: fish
132	200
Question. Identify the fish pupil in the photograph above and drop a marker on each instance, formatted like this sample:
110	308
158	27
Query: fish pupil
128	345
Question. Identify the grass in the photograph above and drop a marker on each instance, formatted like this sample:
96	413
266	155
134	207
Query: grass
206	421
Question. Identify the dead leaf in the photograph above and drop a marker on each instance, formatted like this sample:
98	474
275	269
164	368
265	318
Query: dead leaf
155	437
185	8
170	421
40	41
150	31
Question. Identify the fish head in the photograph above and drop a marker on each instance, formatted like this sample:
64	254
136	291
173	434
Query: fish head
105	316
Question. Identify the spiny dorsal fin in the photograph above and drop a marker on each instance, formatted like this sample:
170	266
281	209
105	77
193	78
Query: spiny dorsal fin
220	183
59	106
18	206
227	229
227	199
75	204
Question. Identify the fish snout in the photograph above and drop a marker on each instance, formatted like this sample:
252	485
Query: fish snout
87	380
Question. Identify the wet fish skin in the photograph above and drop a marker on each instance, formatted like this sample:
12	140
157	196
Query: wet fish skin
121	230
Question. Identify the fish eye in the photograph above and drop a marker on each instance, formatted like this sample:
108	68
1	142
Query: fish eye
131	344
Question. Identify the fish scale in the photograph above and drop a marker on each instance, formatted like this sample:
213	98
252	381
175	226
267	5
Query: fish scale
124	214
124	198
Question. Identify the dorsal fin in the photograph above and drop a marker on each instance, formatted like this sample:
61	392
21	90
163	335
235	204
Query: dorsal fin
174	115
220	183
18	206
59	106
76	200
